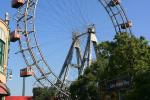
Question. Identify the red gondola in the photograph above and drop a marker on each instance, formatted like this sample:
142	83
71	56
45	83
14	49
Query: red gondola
26	72
14	36
126	25
113	3
17	3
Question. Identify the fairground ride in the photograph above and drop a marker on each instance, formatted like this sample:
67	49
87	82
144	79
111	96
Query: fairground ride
67	15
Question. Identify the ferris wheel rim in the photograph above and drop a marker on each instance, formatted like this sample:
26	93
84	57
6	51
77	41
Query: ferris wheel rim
108	9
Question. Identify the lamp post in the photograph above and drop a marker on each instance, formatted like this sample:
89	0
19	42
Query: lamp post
9	74
23	86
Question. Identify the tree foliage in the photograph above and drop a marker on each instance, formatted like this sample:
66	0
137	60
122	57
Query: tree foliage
44	93
126	55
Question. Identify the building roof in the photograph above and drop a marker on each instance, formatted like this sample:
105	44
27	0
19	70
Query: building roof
2	21
4	90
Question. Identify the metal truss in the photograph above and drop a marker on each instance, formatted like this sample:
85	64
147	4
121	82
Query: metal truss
84	60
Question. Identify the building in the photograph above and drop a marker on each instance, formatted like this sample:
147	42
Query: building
19	98
4	47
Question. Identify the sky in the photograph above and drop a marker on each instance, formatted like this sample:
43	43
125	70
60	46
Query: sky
55	22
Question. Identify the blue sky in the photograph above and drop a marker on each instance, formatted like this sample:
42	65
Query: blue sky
55	23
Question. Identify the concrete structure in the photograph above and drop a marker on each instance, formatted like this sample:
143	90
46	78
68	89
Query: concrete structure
4	46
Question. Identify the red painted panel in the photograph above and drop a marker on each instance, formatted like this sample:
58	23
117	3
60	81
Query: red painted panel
18	98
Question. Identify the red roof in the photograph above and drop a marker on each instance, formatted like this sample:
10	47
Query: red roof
3	89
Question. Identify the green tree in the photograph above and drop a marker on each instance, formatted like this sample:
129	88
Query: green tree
44	93
126	55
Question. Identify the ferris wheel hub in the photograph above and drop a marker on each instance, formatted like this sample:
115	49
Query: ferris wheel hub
92	29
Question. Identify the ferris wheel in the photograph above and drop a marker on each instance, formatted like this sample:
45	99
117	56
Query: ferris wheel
83	30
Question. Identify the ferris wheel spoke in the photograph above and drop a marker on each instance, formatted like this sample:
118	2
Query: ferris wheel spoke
76	20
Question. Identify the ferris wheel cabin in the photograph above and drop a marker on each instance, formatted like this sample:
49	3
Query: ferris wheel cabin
113	3
17	3
126	25
26	72
14	36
